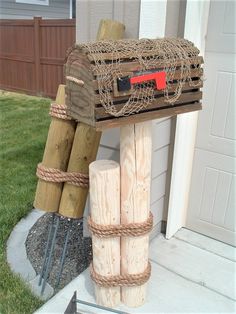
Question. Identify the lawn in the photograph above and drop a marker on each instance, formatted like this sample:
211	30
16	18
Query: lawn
24	122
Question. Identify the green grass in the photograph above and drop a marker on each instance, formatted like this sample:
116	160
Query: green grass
24	123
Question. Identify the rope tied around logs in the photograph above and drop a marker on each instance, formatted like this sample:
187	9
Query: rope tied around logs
127	280
59	111
59	176
125	230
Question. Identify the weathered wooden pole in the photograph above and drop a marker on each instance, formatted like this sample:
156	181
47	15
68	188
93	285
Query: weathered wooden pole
84	151
135	161
104	176
86	142
109	29
56	155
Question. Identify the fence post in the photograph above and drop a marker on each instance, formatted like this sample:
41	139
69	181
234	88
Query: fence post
37	54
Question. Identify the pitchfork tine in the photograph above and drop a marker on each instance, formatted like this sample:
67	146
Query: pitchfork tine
50	234
63	254
49	260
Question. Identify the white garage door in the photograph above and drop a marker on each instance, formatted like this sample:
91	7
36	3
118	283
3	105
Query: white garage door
212	198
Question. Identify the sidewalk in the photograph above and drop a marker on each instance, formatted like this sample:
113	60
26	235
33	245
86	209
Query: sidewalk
190	274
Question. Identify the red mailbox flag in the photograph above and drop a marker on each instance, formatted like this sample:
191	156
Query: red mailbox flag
159	77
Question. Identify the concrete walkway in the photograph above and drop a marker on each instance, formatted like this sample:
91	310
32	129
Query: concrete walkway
190	274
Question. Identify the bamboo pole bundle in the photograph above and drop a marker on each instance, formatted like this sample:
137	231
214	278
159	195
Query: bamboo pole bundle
104	176
135	160
86	143
56	155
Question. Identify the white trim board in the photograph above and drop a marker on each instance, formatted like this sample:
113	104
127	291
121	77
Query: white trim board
196	21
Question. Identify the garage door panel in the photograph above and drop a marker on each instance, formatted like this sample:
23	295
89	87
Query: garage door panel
221	27
230	131
216	127
206	205
222	198
229	219
212	199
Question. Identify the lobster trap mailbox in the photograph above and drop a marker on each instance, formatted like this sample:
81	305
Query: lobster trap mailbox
112	83
120	84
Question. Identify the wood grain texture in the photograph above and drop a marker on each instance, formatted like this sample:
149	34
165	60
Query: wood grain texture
158	102
56	155
135	158
172	88
84	151
104	176
120	55
145	116
80	97
195	73
127	65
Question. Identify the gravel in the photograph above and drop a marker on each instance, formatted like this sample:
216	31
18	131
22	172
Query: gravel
78	253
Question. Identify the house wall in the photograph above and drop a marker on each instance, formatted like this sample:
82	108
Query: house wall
57	9
89	14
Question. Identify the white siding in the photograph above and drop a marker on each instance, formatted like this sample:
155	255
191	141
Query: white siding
57	9
89	14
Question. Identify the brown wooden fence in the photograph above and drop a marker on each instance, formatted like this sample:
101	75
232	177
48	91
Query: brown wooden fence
32	54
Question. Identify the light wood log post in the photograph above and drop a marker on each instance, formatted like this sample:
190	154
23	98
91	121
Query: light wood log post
56	155
135	160
104	176
86	142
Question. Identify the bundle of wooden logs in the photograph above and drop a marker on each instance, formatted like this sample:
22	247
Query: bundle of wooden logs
121	220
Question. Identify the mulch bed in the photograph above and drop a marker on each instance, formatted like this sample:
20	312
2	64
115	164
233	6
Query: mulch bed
78	254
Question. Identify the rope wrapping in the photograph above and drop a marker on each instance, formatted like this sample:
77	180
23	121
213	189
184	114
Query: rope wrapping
59	111
125	230
59	176
75	80
127	280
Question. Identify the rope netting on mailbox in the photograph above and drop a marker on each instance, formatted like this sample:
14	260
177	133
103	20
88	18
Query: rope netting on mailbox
171	55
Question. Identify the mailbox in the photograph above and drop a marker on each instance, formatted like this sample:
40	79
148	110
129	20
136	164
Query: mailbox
112	83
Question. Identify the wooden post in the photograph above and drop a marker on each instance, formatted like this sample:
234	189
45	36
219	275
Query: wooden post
84	151
104	176
56	155
109	29
86	142
135	159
